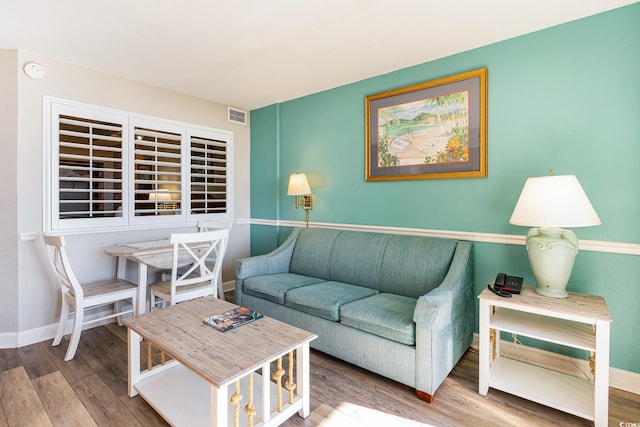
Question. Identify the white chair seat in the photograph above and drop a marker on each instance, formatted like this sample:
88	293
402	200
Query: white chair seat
164	288
109	289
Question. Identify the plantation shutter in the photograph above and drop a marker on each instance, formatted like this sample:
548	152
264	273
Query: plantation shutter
209	159
157	172
108	169
89	169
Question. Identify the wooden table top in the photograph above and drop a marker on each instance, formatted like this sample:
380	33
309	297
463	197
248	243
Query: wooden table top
135	248
219	357
155	253
579	307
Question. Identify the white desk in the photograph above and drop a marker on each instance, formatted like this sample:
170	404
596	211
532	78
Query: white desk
156	253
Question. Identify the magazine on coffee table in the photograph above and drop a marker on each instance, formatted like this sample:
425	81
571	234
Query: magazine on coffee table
232	319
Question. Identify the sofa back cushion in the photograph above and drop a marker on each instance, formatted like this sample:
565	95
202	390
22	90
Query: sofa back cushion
312	252
403	265
414	265
356	258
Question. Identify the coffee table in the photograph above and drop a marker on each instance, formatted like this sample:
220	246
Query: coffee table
197	386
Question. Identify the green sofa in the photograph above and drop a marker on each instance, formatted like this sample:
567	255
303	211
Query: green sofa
397	305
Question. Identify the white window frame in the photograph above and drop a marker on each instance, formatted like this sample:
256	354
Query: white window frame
54	107
164	127
216	135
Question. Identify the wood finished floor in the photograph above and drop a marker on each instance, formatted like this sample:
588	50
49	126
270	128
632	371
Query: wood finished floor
37	388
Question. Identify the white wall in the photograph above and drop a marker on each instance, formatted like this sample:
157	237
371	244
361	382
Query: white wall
38	296
8	213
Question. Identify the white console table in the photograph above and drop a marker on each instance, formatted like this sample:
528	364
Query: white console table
579	321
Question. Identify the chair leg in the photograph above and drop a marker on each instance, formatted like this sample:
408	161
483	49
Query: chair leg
62	324
220	289
152	301
117	308
78	320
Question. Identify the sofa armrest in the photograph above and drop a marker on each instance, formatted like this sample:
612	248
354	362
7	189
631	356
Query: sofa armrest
435	310
276	261
444	322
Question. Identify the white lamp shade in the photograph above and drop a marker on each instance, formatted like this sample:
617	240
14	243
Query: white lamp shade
298	185
162	195
554	201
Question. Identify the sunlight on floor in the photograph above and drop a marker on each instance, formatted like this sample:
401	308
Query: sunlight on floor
350	415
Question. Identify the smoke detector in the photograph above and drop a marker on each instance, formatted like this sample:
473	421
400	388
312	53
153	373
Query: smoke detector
34	70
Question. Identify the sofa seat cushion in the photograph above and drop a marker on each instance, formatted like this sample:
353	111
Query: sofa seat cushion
324	299
273	287
386	315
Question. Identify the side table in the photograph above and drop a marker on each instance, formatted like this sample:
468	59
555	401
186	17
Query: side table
579	321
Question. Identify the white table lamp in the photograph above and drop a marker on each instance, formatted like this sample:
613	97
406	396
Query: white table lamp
548	203
163	199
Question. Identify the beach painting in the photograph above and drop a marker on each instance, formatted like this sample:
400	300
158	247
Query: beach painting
431	130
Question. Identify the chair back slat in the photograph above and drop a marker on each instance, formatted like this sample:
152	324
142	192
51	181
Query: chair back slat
214	225
60	262
197	248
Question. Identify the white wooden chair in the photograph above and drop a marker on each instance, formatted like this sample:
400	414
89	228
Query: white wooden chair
199	279
210	226
214	225
83	297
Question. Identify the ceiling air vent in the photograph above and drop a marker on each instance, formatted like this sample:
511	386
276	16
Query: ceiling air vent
235	115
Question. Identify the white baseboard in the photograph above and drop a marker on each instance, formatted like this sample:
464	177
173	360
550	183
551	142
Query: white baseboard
229	286
36	335
44	333
618	378
48	332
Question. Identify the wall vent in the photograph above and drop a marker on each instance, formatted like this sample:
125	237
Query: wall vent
235	115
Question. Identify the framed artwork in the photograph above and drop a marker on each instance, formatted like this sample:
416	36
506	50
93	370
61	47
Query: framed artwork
431	130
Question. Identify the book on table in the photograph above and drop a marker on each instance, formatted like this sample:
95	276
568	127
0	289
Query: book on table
231	319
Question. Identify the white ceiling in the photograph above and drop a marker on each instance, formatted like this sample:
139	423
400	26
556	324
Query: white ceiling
253	53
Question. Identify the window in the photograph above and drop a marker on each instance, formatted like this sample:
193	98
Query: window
157	171
209	174
107	168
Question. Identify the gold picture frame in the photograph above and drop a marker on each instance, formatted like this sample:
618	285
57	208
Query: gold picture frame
431	130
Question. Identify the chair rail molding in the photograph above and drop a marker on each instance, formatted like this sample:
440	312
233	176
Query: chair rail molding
505	239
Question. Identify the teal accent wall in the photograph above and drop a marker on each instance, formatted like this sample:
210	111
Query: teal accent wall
565	98
265	176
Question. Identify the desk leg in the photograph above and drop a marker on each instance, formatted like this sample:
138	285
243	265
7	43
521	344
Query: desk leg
133	361
121	268
219	399
142	287
303	375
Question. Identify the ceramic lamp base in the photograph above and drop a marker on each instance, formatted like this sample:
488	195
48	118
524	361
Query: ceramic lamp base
552	252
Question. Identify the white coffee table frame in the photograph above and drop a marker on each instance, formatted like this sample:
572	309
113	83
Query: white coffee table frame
194	388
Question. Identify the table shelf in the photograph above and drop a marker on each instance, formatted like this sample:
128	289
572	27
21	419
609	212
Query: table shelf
184	399
560	391
550	329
